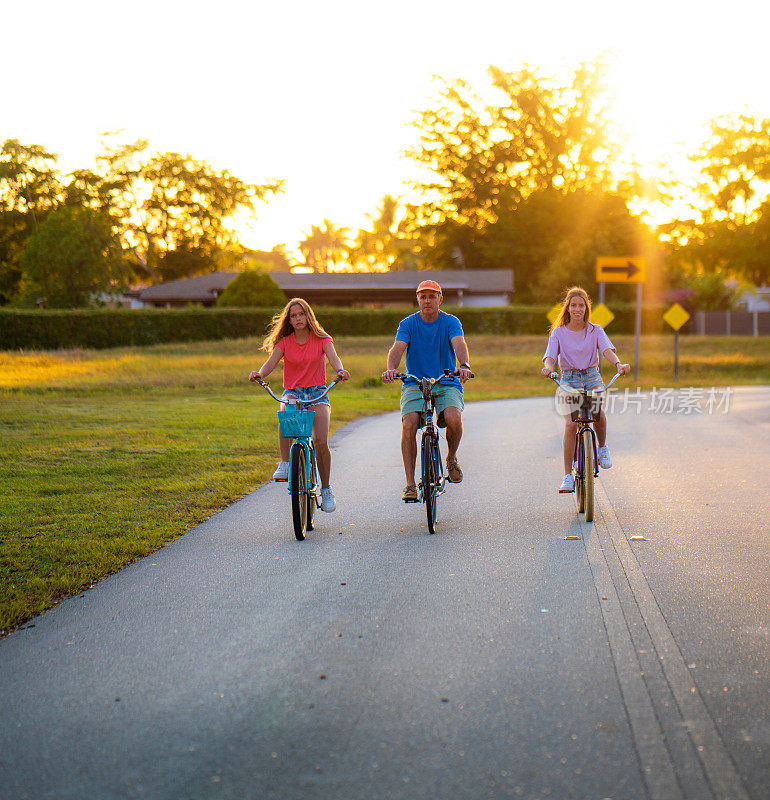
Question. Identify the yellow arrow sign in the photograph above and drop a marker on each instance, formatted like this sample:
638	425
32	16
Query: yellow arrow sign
621	270
676	316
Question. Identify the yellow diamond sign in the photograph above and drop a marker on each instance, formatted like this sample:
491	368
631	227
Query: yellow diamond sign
676	316
601	315
553	314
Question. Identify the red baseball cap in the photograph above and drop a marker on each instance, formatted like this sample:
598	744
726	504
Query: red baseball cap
431	286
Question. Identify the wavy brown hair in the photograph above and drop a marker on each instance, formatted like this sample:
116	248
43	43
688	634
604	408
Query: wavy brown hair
564	317
280	325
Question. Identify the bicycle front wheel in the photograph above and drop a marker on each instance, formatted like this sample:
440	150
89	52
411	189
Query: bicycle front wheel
429	475
298	490
578	470
313	482
588	470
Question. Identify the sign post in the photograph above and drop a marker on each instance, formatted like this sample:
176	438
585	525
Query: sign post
676	316
625	270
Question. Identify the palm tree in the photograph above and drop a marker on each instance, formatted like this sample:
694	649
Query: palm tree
325	246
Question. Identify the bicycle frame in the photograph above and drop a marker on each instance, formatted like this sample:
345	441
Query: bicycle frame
430	431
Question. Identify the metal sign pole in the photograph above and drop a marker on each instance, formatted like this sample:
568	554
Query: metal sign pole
676	356
601	291
638	327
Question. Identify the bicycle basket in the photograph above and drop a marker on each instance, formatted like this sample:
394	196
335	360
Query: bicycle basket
593	401
295	422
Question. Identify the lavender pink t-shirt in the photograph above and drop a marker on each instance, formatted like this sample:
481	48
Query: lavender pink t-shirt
577	349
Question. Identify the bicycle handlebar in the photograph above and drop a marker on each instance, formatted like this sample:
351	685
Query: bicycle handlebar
554	376
447	373
310	402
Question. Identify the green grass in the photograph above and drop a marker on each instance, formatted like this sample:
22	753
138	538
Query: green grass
107	455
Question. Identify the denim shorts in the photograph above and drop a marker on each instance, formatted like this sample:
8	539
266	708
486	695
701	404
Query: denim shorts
305	393
583	378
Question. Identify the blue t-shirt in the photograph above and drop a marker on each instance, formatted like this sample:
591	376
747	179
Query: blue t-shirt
429	348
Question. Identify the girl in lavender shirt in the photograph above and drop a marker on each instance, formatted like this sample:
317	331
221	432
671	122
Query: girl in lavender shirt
576	343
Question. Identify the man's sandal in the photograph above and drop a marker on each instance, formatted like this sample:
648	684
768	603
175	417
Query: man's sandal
410	494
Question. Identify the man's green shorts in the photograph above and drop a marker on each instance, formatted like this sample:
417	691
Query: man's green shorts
444	396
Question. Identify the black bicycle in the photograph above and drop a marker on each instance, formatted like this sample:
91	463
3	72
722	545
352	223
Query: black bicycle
432	479
587	405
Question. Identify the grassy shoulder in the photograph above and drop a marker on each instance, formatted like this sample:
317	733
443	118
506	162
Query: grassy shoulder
110	454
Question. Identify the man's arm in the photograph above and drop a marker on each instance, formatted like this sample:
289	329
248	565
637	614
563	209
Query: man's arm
461	353
395	354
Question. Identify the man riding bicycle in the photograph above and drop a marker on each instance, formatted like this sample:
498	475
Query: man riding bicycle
433	342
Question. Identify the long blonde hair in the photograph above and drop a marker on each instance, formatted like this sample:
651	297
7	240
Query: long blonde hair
280	325
564	317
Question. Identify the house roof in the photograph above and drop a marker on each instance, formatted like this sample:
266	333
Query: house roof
199	289
206	288
473	280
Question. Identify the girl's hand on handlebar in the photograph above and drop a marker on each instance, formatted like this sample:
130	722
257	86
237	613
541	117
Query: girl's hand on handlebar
255	376
546	372
343	375
624	369
389	375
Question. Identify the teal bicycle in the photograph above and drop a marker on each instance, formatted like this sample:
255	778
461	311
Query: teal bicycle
296	422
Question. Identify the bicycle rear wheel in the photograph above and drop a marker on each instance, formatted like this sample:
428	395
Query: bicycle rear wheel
429	475
311	504
588	471
298	490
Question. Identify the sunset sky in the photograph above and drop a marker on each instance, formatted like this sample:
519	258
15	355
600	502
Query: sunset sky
321	93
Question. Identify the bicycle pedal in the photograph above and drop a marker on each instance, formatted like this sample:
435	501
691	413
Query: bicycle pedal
281	480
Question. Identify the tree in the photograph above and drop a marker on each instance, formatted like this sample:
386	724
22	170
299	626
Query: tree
171	212
552	239
387	245
274	260
731	221
29	188
169	202
735	164
71	257
324	246
487	159
252	288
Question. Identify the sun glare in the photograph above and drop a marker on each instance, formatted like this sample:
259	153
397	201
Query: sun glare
325	105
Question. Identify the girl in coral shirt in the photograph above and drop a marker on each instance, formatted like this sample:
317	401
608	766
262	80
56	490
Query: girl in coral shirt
297	337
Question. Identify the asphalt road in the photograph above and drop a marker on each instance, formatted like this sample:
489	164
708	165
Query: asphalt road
519	652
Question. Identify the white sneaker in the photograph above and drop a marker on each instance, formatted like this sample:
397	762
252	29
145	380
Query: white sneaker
328	503
282	472
567	483
605	462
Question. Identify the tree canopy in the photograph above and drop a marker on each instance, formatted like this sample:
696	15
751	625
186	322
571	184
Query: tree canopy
729	230
252	288
324	246
171	213
70	259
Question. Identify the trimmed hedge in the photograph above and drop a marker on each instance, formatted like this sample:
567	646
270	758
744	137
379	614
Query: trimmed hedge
103	328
